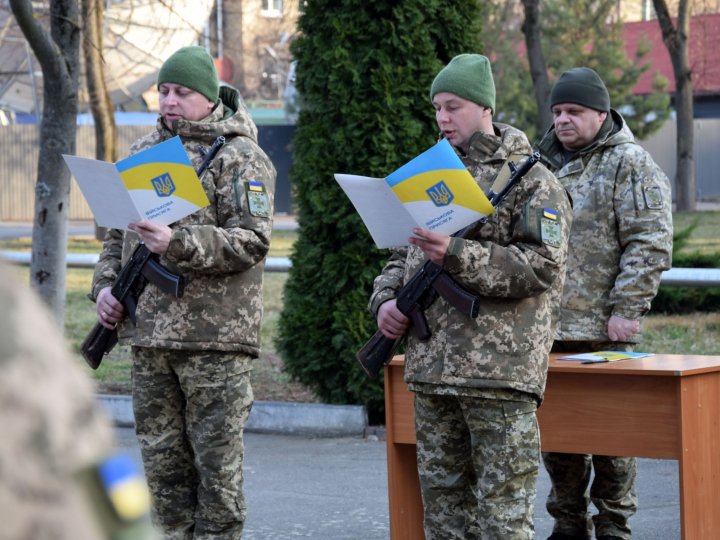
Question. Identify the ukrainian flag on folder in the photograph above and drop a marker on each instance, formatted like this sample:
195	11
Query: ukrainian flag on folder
437	189
162	177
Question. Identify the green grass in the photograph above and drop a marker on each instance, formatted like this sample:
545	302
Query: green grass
269	380
698	333
706	236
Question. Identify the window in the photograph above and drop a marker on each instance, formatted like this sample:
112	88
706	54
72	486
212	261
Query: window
648	10
272	8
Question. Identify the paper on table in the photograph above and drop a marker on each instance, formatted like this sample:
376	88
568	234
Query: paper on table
604	356
433	191
158	183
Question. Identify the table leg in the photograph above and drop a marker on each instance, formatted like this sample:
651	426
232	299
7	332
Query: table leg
699	463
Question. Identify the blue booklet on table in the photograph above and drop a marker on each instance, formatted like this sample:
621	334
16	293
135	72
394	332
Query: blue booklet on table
604	356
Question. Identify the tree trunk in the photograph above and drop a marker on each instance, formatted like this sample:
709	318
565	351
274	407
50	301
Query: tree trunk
538	70
676	41
100	104
58	54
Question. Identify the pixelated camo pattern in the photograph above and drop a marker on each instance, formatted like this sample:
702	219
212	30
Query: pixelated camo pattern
220	249
518	276
478	462
612	490
621	239
193	454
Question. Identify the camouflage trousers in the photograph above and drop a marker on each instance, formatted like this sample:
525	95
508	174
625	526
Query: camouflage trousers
478	463
613	486
190	409
612	492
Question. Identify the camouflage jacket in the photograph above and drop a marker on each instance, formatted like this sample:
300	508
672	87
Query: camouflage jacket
621	240
515	262
220	249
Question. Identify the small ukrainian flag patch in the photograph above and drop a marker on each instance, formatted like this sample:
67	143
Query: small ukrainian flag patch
258	200
550	214
125	487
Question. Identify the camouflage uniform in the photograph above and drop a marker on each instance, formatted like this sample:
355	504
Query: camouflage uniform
620	243
477	382
54	436
191	356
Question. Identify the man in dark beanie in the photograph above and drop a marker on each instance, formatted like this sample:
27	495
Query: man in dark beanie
478	381
192	355
620	244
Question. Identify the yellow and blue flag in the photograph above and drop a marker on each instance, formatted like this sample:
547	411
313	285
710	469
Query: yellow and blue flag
162	177
437	189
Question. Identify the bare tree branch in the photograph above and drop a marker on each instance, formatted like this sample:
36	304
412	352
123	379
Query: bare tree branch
58	54
536	59
676	40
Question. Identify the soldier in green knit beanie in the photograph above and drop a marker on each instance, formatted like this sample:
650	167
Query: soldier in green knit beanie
466	80
620	245
189	75
477	381
192	352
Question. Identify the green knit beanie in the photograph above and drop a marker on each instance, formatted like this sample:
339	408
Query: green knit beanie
583	86
468	76
194	68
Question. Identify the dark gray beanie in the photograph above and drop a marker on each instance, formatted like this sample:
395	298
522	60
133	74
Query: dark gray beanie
583	86
194	68
468	76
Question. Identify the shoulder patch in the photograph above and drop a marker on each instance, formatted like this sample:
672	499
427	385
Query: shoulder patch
257	199
653	196
550	227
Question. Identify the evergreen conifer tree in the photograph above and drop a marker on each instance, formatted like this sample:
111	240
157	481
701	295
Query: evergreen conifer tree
364	70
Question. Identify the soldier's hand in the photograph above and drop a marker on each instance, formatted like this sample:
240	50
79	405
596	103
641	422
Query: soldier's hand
156	236
620	329
109	310
391	322
433	245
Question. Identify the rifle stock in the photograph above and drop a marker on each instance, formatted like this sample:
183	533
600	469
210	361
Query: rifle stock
418	293
97	344
375	353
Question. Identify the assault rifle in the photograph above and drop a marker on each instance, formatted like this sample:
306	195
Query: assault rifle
429	282
142	267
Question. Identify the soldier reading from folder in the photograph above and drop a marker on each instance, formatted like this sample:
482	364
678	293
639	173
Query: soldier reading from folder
191	355
477	382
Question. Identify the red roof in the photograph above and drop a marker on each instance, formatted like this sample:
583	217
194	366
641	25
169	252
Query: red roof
704	54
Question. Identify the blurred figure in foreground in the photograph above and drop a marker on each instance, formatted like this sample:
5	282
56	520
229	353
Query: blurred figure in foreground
59	476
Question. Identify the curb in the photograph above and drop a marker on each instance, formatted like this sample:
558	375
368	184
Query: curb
272	417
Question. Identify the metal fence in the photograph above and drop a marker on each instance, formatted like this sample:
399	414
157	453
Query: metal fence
18	168
19	143
675	277
19	155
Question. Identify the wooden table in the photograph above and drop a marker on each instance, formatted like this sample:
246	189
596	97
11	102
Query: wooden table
662	406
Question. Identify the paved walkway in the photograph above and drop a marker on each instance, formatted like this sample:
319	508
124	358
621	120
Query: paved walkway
336	489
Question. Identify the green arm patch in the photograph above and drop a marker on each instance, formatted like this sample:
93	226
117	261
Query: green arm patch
653	197
550	227
257	199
